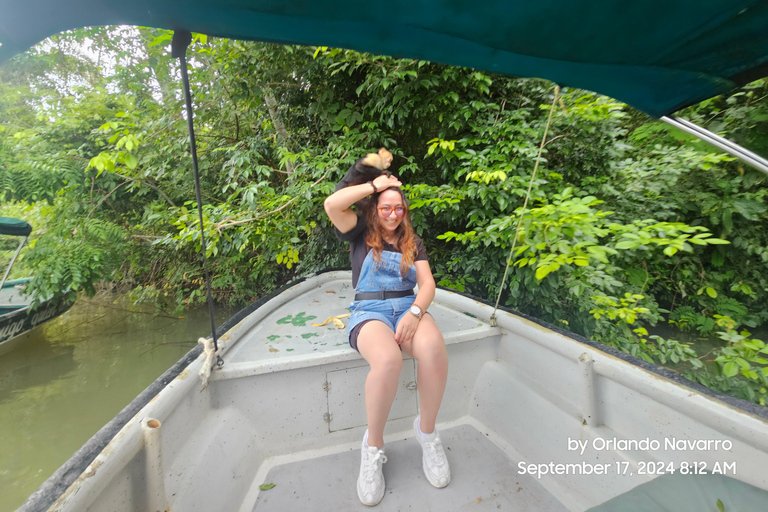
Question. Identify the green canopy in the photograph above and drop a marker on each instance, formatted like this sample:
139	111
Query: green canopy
14	227
657	55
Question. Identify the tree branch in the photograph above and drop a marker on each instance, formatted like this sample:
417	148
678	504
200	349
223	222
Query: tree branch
150	185
554	139
146	237
228	222
106	197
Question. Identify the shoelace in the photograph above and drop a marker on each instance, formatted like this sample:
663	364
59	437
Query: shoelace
434	447
373	465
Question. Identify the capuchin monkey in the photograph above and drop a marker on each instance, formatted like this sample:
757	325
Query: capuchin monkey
367	169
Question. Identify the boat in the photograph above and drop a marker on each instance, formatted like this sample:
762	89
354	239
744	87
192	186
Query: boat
534	417
278	426
18	316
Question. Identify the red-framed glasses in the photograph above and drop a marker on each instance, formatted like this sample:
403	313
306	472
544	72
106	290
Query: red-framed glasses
387	210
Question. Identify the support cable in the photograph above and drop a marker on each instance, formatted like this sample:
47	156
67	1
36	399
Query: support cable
181	40
525	204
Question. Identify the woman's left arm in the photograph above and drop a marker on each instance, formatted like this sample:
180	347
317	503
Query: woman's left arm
426	285
407	326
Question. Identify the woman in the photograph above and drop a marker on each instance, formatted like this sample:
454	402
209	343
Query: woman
388	259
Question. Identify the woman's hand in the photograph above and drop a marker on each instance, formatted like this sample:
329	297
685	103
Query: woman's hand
383	182
406	328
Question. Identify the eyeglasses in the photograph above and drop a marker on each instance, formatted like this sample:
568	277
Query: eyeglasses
387	210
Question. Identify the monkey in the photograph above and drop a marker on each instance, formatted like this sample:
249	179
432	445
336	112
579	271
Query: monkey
380	160
367	169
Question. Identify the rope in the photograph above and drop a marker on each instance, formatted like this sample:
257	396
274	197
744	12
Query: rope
209	352
525	204
181	40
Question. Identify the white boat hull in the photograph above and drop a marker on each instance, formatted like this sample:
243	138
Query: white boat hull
519	393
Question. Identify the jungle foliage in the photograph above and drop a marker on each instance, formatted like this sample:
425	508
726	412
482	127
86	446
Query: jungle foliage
630	222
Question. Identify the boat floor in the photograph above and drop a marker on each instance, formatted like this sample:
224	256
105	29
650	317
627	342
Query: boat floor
482	476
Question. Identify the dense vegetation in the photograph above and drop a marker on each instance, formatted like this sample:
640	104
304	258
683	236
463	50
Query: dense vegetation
630	222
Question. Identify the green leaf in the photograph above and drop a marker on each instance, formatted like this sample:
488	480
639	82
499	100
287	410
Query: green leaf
720	506
542	272
730	369
131	161
266	487
711	292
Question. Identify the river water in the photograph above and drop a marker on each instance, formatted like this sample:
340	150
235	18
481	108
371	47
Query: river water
74	374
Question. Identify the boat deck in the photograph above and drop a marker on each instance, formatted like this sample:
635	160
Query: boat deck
287	331
483	477
11	299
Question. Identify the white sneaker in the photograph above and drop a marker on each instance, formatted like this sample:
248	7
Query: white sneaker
370	483
433	458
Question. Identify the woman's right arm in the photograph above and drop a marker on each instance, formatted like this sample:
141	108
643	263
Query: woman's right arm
338	204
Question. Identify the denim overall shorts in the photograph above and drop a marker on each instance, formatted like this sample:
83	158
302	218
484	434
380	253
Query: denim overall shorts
376	276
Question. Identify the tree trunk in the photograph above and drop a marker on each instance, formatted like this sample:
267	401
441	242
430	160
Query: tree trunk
282	134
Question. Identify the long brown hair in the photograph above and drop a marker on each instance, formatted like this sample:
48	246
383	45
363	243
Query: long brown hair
406	237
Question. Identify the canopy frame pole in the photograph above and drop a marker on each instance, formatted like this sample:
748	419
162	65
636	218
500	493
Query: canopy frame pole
555	97
13	260
179	44
719	142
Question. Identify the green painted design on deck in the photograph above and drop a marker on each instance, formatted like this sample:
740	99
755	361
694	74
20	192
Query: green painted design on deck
309	335
273	337
299	320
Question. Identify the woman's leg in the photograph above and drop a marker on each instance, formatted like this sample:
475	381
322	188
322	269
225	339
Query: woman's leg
428	348
376	343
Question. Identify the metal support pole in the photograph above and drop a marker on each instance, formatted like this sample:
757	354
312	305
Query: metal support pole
589	413
13	260
726	145
181	40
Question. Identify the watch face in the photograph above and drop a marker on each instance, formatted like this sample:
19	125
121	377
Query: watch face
416	310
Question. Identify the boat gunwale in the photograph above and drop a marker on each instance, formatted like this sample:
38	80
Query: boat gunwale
739	403
62	479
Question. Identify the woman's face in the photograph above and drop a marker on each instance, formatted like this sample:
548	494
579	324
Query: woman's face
390	201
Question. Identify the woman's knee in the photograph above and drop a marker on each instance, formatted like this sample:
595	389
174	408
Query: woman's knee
377	345
433	351
388	362
429	344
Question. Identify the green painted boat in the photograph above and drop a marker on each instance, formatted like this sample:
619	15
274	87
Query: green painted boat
17	316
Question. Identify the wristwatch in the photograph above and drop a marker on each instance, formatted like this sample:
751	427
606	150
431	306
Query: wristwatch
416	310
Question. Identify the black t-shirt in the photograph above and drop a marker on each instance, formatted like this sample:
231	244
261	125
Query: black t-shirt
358	250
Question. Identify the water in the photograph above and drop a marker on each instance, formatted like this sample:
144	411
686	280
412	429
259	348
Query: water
74	374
